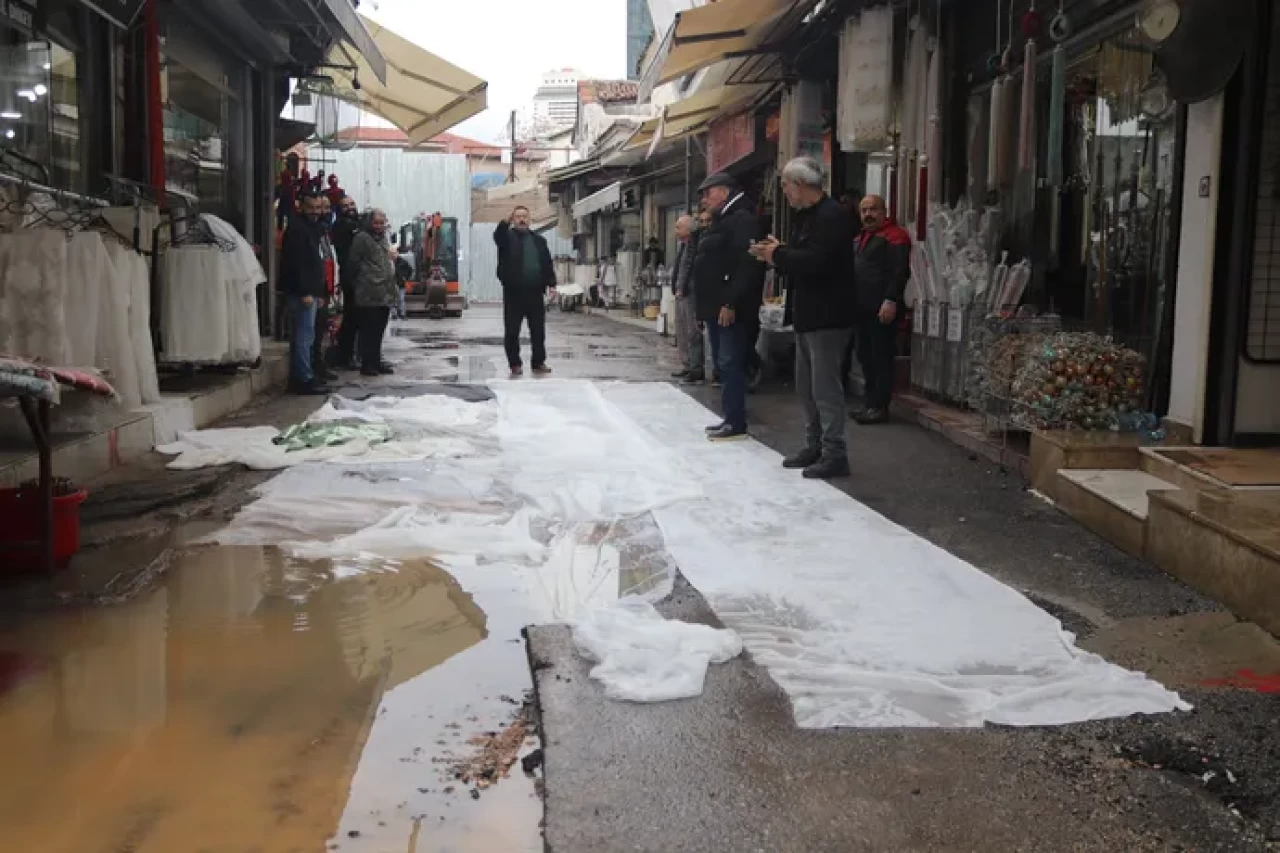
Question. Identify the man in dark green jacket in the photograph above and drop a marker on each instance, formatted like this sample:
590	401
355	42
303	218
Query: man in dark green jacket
527	275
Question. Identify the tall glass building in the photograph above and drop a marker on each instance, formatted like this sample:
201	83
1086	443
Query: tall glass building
639	31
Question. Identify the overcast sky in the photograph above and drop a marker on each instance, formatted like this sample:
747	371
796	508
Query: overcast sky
510	43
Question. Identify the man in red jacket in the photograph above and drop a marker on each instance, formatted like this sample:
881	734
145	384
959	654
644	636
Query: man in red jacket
882	266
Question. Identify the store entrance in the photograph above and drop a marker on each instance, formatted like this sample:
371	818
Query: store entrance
1244	372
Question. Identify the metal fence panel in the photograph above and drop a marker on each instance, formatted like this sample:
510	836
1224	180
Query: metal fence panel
405	184
482	285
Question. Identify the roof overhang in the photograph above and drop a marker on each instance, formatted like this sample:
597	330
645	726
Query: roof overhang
573	170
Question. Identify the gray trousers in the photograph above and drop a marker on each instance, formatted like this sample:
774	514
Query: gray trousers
819	356
689	336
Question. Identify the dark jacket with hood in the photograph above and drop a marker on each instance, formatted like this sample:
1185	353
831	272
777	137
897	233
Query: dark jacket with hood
302	258
725	274
511	246
818	262
882	266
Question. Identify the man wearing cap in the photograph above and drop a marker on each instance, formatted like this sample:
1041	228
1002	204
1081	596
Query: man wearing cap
728	287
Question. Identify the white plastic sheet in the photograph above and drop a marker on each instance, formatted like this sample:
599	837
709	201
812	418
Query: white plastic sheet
642	657
586	494
860	621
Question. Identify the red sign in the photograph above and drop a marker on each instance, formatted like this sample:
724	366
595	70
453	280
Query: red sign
729	140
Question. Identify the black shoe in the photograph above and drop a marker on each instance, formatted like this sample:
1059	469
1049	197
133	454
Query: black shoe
696	377
872	416
385	370
517	370
715	380
803	459
827	469
327	375
369	373
728	433
308	389
716	427
680	374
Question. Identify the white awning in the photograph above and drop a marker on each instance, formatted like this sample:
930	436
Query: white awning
607	197
727	29
424	95
694	113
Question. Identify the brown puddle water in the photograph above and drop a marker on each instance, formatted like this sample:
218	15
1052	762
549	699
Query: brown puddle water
252	702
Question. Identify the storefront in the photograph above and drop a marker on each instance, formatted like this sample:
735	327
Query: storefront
55	125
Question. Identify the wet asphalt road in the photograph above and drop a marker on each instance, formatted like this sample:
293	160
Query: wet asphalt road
728	770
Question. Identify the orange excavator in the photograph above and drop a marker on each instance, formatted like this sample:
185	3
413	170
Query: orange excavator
434	288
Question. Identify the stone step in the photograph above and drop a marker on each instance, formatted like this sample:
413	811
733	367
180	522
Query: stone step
1152	461
1113	503
1226	544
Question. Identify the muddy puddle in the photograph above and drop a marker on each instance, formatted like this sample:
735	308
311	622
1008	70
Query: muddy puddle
251	702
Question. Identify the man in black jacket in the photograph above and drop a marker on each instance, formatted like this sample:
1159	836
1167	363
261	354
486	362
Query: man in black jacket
527	275
818	263
342	234
882	268
728	287
302	257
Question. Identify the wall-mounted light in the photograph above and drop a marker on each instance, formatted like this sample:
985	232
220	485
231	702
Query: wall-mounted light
48	66
9	134
11	115
28	94
41	89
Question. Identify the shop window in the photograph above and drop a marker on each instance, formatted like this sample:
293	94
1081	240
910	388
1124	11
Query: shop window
1104	238
195	123
40	110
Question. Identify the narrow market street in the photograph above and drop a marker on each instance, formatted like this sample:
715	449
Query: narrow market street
322	680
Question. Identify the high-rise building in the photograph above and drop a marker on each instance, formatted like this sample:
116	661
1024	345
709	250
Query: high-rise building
639	31
555	104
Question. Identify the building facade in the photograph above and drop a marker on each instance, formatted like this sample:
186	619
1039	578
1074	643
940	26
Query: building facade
555	103
639	34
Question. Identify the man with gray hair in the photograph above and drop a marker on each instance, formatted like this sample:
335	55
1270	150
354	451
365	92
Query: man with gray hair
818	261
688	335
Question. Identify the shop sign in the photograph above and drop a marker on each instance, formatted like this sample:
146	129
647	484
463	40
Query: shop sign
729	140
917	320
935	321
955	325
21	14
122	13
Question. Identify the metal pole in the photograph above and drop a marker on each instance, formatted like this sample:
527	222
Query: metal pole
688	175
511	174
155	107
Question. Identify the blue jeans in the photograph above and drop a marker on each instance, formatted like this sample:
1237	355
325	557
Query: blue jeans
301	341
729	350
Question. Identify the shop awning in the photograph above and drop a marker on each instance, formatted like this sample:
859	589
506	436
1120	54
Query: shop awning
692	114
423	95
705	35
607	197
354	30
573	170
